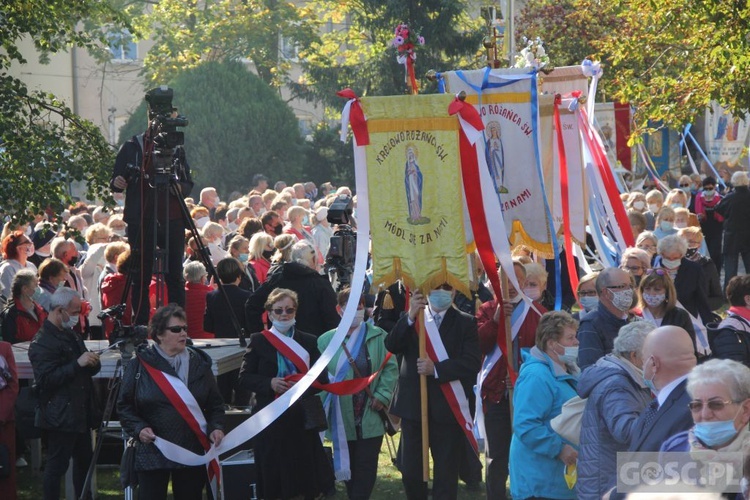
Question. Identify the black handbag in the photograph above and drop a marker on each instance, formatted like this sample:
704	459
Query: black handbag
315	415
128	475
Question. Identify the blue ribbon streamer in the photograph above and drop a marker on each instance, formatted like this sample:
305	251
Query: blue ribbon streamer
703	154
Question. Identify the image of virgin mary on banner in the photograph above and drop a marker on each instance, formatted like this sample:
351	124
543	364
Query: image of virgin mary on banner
510	115
415	192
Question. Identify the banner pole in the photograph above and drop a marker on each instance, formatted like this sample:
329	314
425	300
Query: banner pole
423	392
508	342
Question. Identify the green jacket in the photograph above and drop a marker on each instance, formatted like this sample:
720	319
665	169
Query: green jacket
382	387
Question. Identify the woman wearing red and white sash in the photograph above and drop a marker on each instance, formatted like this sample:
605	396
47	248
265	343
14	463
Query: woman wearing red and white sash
169	391
290	459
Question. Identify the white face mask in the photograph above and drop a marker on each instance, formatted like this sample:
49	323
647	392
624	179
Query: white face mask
199	223
534	293
639	205
283	326
653	208
670	263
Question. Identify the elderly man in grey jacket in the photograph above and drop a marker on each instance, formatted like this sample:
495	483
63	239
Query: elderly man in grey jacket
616	395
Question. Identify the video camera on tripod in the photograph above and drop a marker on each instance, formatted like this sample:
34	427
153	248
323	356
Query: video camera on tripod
163	122
343	249
126	338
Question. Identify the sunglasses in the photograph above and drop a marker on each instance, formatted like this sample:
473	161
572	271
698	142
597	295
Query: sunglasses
280	310
658	271
684	185
177	329
712	404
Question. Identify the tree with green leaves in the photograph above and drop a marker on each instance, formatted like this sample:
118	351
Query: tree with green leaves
357	51
44	145
188	33
238	127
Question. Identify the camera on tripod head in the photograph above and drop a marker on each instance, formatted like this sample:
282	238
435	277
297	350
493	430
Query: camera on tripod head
127	338
163	122
343	249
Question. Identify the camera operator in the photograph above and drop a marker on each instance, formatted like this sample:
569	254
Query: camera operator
139	213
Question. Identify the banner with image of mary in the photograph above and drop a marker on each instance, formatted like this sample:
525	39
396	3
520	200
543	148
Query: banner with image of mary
414	178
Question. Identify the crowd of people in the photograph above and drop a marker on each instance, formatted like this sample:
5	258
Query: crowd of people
656	347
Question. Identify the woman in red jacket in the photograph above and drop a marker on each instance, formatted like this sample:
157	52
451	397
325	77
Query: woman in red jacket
25	317
112	289
195	299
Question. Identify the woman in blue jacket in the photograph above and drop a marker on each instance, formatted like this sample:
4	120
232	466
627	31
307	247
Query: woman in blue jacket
548	378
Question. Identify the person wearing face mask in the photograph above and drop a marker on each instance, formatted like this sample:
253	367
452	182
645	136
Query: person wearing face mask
616	395
587	296
646	241
711	222
290	459
636	262
24	317
688	277
685	184
322	230
676	198
654	202
63	369
599	328
317	313
52	274
657	300
494	390
665	223
356	422
719	393
239	249
16	248
209	199
458	333
261	250
694	238
272	223
535	286
538	456
212	233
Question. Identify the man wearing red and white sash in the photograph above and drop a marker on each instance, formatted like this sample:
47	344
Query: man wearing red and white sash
169	391
456	336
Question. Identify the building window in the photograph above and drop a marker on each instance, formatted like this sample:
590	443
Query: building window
122	47
288	48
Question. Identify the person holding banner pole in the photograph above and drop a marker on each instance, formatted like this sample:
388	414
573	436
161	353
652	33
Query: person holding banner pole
494	385
451	369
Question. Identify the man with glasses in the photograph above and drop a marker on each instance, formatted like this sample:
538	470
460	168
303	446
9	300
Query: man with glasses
599	328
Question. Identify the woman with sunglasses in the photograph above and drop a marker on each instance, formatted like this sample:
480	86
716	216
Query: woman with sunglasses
657	299
16	248
720	405
147	411
290	458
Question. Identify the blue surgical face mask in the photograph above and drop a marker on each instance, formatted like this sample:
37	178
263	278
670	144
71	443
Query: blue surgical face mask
283	326
666	225
71	323
243	257
440	300
715	433
589	303
38	292
571	354
649	382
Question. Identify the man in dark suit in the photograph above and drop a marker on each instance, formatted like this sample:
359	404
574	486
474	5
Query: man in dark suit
458	332
217	318
668	357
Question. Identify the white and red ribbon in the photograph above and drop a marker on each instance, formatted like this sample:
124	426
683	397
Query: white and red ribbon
289	348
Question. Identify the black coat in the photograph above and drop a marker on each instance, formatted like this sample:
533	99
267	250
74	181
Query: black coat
731	339
217	318
692	286
735	208
459	334
316	309
64	388
142	404
679	317
290	459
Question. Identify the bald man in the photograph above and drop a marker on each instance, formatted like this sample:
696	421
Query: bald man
668	356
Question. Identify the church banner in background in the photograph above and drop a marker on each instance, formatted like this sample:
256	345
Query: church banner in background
506	110
725	135
613	120
416	203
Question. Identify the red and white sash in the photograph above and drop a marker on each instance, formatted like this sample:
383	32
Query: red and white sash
454	392
289	348
184	402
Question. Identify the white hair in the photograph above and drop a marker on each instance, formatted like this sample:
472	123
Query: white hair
740	179
59	246
672	243
732	374
636	253
631	336
194	271
62	298
301	252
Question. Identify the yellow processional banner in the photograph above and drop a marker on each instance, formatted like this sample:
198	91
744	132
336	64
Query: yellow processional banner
415	191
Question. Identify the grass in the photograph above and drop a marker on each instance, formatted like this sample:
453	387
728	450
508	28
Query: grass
387	487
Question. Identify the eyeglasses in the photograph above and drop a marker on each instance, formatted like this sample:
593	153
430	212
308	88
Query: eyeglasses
684	185
281	310
658	271
712	404
632	269
647	248
177	328
587	293
620	287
